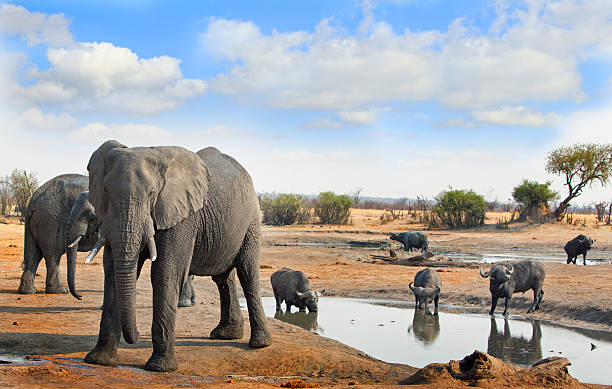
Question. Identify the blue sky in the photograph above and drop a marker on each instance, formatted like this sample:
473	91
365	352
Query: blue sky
400	98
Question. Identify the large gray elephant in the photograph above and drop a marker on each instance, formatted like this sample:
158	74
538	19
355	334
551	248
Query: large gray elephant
191	214
57	214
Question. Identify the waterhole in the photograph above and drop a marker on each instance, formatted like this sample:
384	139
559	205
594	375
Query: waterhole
400	334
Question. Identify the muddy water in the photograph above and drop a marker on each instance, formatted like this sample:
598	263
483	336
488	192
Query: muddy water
399	334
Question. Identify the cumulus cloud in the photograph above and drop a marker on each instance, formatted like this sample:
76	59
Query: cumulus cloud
529	54
36	119
135	134
587	126
35	27
517	116
87	75
455	123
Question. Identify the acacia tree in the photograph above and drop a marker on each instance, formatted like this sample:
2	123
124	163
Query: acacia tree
582	164
533	198
23	185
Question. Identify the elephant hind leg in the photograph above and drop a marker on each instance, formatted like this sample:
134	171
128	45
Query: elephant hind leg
231	324
247	266
32	258
187	298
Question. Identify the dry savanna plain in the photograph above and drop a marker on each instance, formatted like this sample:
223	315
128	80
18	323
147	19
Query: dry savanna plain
56	331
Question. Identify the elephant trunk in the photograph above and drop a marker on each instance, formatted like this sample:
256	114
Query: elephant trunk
71	259
125	284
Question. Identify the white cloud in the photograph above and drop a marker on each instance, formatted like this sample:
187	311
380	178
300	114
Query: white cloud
130	134
529	54
323	124
517	116
588	126
35	27
36	119
455	123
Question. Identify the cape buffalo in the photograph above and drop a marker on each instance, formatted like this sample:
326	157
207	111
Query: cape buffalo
426	287
508	279
293	287
411	240
579	245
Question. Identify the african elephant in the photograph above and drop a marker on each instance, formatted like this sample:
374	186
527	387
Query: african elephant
58	212
191	214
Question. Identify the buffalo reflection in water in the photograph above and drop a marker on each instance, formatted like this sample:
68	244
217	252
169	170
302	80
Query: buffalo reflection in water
306	320
425	325
517	350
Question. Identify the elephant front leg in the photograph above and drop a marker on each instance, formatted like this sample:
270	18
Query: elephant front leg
30	263
105	352
231	324
247	265
53	283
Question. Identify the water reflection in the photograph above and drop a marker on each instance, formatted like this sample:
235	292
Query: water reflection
425	325
517	350
306	320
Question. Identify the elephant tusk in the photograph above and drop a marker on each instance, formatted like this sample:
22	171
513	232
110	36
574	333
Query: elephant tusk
76	241
152	249
95	249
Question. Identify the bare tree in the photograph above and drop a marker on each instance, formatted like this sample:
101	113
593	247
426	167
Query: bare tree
23	185
355	196
601	210
6	194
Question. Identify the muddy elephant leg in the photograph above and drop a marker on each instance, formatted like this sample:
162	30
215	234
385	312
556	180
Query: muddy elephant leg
231	324
247	266
105	352
53	283
187	298
30	266
493	304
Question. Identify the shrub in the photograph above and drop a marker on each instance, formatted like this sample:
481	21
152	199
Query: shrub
533	199
333	209
280	210
460	208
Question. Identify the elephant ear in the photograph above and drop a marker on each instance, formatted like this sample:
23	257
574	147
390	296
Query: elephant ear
98	168
184	191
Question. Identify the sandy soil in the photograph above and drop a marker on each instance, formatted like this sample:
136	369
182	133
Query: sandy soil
60	327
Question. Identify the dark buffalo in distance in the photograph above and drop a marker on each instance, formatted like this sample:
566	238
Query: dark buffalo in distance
579	245
411	240
507	279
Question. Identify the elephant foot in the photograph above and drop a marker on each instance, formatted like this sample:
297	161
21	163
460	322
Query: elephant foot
27	283
161	363
100	356
260	339
186	302
228	330
56	289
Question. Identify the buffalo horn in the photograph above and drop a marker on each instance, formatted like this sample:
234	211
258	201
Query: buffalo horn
485	275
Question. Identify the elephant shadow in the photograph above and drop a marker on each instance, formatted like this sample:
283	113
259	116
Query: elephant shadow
516	350
305	320
43	343
44	310
425	325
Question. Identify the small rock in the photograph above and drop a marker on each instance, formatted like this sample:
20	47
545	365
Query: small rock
354	382
15	323
593	346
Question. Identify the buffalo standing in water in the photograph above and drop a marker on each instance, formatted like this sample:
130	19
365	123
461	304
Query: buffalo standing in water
293	287
505	280
426	287
579	245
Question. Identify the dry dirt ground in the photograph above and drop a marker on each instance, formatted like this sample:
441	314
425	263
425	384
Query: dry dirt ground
63	329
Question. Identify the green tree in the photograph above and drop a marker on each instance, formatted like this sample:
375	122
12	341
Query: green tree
280	210
582	164
533	198
332	208
23	185
460	208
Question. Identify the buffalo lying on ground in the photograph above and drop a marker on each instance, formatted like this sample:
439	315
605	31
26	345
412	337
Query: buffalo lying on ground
579	245
293	287
411	240
426	287
507	279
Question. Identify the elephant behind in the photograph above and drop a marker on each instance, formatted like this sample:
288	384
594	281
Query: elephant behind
57	215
